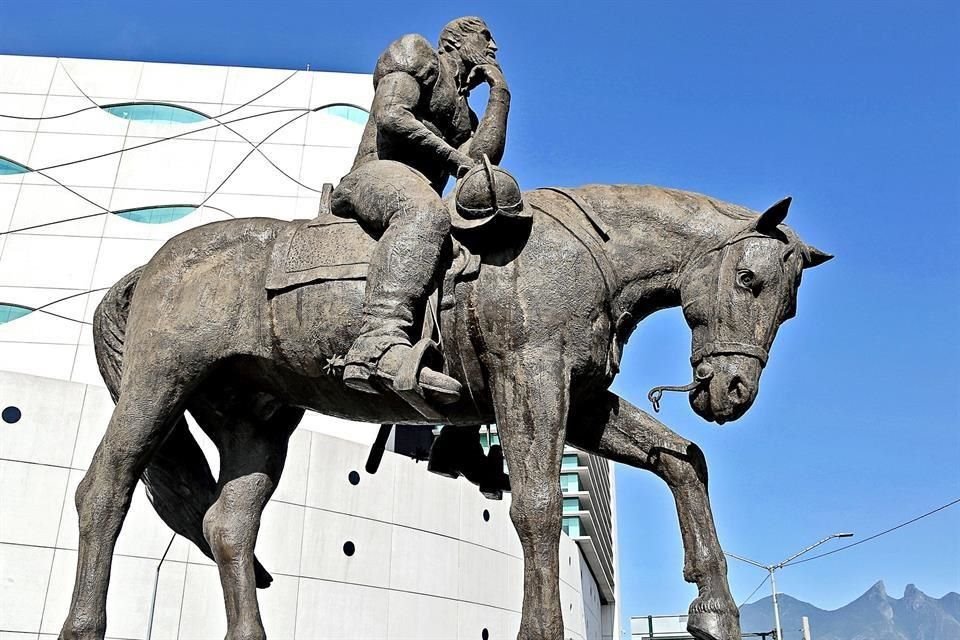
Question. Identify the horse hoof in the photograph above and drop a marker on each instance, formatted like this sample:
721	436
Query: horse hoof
713	625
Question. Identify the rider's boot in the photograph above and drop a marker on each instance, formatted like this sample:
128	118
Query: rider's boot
402	267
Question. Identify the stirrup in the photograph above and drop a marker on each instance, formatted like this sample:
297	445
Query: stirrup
415	381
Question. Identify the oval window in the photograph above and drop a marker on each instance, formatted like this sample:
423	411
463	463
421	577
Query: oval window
155	112
157	215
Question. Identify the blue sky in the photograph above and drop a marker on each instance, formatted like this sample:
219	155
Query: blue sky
853	108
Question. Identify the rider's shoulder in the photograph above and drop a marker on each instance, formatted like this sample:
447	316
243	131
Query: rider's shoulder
411	54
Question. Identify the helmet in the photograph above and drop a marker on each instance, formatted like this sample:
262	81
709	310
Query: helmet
484	192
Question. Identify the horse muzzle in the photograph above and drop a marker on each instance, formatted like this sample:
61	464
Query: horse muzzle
730	390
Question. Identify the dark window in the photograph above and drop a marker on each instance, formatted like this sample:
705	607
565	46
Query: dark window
11	415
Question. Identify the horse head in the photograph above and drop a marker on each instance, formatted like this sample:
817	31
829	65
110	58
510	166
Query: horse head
735	296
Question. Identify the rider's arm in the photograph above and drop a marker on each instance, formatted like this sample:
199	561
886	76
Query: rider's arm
490	134
397	95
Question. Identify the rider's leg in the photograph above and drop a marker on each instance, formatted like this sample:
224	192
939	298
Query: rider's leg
391	199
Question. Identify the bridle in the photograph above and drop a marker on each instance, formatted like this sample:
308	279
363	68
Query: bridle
715	344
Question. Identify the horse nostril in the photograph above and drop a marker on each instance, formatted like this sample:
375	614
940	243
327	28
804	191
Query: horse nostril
738	389
704	372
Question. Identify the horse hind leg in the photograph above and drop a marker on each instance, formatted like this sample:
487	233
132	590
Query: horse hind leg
615	429
147	408
252	454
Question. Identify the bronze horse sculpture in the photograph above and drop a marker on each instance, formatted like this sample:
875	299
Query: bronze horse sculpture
535	340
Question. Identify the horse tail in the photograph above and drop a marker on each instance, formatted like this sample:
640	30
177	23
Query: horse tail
177	478
110	327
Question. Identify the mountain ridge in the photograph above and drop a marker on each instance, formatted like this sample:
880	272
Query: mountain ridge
874	615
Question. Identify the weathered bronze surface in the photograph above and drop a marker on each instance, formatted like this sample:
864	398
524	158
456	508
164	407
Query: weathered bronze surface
420	132
533	339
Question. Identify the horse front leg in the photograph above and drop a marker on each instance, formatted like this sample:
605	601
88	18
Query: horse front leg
615	429
531	409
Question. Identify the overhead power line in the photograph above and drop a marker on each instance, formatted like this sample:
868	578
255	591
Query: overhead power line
747	599
876	535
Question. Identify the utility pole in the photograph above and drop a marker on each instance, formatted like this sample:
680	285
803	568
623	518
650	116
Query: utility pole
776	606
772	568
806	628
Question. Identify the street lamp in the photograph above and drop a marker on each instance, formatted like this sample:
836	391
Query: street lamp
771	569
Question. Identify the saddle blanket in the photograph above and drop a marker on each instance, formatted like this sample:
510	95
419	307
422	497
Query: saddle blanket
325	248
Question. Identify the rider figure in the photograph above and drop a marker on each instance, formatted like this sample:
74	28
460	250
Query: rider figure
420	132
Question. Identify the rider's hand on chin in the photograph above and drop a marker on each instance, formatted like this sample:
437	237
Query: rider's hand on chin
489	73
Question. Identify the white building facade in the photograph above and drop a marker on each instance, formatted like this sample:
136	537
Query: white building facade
100	163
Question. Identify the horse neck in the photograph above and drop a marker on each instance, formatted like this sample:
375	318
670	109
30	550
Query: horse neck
655	234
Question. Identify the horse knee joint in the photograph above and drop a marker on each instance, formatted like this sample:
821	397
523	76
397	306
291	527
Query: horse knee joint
534	513
227	533
684	466
98	503
220	534
83	489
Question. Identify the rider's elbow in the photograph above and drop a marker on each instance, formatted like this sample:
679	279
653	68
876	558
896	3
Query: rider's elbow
395	122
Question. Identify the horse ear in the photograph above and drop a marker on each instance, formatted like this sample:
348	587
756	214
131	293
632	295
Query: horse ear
769	219
813	257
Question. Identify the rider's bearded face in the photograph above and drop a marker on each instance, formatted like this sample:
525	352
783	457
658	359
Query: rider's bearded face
478	48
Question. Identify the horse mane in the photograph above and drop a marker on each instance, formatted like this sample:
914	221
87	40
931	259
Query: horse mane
608	198
602	196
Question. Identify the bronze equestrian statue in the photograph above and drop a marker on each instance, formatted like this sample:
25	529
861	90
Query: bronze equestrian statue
532	335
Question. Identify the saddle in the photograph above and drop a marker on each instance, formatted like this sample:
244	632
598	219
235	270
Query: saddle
330	248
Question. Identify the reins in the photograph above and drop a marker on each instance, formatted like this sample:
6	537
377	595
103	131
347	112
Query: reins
703	376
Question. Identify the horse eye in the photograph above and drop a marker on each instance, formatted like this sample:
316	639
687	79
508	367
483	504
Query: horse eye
746	279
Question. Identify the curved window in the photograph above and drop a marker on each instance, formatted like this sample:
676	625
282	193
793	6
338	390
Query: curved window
10	312
155	112
347	112
8	167
157	215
